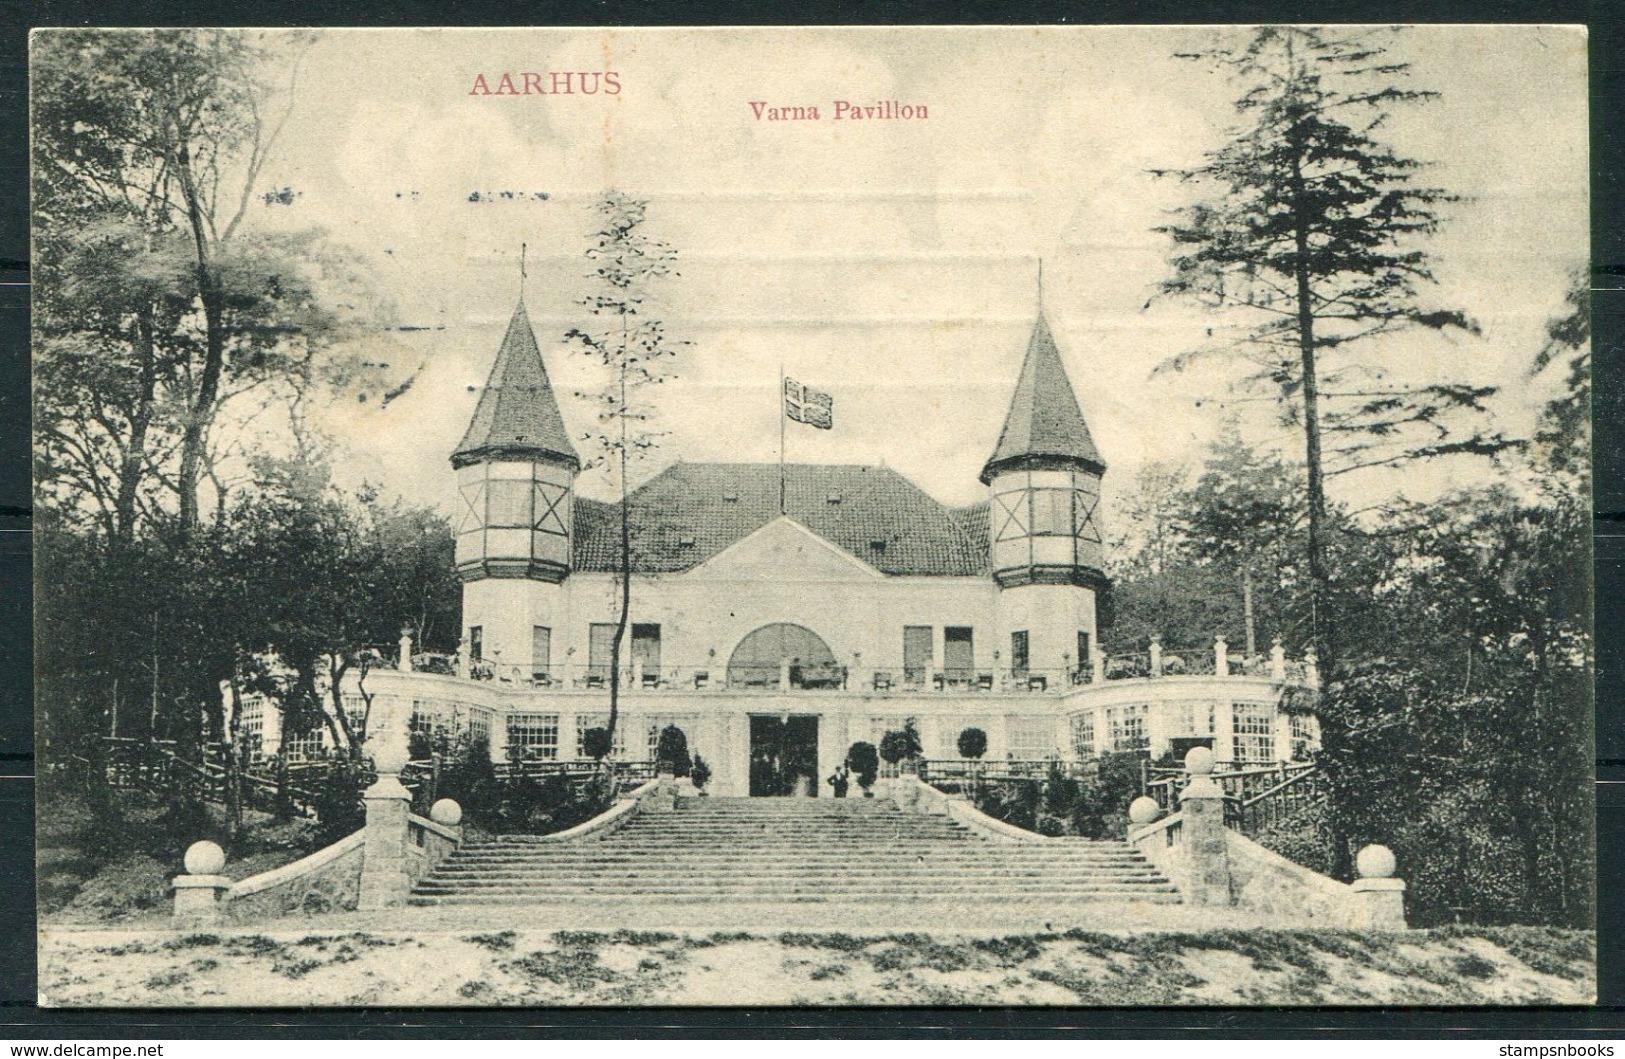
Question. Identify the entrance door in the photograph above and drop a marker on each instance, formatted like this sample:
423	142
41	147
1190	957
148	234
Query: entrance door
784	756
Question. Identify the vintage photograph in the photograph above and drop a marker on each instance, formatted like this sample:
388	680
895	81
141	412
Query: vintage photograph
992	516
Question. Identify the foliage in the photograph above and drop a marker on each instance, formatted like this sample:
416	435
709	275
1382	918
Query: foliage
1094	805
1563	438
1212	551
972	743
468	777
1311	229
864	761
701	774
897	746
160	300
671	752
632	347
596	743
339	809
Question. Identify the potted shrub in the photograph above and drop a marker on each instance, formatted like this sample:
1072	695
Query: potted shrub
700	774
902	748
972	745
671	752
864	762
595	743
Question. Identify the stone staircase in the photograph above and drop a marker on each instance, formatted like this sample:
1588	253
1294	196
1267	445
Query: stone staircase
793	851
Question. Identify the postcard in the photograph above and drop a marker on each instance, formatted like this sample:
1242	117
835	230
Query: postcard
1021	515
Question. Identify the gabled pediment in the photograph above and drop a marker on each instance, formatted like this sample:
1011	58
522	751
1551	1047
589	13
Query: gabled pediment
784	550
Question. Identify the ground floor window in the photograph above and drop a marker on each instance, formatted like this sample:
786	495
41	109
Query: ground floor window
655	723
304	744
251	725
586	722
1031	738
879	726
1083	734
1125	727
479	726
944	741
1303	736
1192	719
1254	740
534	735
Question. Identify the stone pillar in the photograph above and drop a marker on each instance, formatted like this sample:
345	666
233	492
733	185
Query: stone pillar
1277	661
1311	668
200	894
1097	664
784	675
405	664
1379	898
1156	656
568	750
664	799
462	658
1221	657
1206	848
384	882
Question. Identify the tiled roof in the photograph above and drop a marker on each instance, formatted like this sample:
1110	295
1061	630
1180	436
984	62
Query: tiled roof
1045	423
518	416
684	515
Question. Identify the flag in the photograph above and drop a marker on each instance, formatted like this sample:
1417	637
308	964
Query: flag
806	405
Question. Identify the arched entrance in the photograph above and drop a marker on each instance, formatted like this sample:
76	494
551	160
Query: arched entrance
757	660
783	746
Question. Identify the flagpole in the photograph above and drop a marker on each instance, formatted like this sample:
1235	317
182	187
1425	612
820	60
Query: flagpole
781	438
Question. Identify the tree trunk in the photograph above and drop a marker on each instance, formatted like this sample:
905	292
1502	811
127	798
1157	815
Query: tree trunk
133	464
233	770
625	614
1247	610
200	409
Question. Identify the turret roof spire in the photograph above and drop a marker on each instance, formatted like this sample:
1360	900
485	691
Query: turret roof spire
1045	425
518	415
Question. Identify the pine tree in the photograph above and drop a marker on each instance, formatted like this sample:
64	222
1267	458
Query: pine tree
1310	230
633	347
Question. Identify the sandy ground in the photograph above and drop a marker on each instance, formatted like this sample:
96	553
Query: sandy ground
316	964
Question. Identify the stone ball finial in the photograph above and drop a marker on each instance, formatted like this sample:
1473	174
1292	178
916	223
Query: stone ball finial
446	812
1375	862
204	858
1143	810
1199	761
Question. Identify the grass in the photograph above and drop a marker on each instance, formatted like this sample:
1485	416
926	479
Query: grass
1455	966
116	867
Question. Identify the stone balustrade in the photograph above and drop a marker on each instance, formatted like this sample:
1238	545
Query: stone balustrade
1216	866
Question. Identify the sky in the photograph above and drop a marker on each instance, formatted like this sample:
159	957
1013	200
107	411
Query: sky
892	263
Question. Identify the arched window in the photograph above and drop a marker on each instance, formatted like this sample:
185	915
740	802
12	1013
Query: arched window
756	661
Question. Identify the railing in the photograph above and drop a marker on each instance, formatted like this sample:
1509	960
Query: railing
716	679
796	675
1273	805
1239	782
954	775
156	767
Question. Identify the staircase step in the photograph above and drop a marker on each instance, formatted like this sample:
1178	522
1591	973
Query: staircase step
793	851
